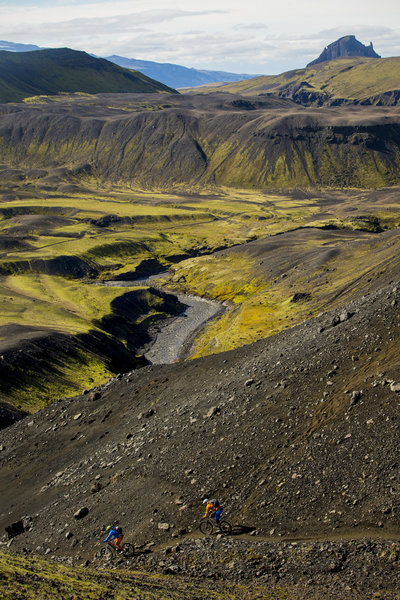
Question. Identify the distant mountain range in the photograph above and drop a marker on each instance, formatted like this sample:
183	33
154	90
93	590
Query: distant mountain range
329	82
12	47
169	74
345	72
46	72
177	76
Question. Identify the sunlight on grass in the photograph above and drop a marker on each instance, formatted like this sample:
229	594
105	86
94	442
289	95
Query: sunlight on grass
48	301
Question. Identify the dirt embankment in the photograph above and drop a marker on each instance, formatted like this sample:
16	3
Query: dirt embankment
39	360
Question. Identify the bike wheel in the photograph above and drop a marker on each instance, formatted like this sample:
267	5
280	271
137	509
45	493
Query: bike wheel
206	527
128	549
225	527
107	553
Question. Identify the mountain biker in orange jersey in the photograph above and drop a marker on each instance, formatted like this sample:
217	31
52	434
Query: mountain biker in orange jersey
214	509
115	535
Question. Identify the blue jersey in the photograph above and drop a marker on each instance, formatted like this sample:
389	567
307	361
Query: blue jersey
112	534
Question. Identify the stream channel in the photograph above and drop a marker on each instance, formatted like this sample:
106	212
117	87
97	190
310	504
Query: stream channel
175	338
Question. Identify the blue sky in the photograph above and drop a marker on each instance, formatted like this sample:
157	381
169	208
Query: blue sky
232	35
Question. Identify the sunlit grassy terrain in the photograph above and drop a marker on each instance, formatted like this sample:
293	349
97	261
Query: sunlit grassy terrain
353	78
54	246
259	283
33	578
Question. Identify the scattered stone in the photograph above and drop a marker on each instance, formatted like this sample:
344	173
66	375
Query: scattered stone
16	529
81	513
77	416
164	526
335	321
300	297
96	487
345	316
214	410
395	386
171	570
355	396
94	396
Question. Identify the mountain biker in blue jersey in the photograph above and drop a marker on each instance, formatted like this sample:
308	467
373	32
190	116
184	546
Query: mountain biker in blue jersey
114	536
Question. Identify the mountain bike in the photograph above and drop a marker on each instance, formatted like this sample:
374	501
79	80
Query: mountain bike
109	551
208	526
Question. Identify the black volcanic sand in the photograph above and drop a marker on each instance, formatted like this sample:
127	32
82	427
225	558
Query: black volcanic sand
297	435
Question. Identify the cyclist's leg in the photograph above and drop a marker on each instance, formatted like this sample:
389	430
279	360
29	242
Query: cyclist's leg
218	514
217	517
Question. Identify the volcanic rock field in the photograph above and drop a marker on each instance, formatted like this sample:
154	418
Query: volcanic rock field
286	217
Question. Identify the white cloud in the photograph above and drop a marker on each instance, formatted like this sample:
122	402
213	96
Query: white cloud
223	34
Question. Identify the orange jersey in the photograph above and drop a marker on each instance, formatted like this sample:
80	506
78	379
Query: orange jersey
209	508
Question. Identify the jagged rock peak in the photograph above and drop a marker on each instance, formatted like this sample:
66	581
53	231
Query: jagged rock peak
343	47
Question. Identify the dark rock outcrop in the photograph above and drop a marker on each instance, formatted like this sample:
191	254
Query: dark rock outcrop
344	47
8	416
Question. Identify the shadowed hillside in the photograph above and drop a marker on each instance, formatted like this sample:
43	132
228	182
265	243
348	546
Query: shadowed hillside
24	74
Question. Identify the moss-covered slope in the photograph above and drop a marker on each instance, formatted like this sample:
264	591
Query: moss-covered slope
25	74
184	144
341	81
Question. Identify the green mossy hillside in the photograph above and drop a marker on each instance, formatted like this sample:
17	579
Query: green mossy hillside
63	70
281	281
59	337
181	146
345	80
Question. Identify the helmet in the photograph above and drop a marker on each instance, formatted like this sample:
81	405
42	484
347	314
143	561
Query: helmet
205	500
108	527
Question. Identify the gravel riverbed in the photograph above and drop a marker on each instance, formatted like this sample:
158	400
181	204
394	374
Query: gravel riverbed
174	339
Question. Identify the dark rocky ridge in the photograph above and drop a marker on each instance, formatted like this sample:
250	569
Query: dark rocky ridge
344	47
205	141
